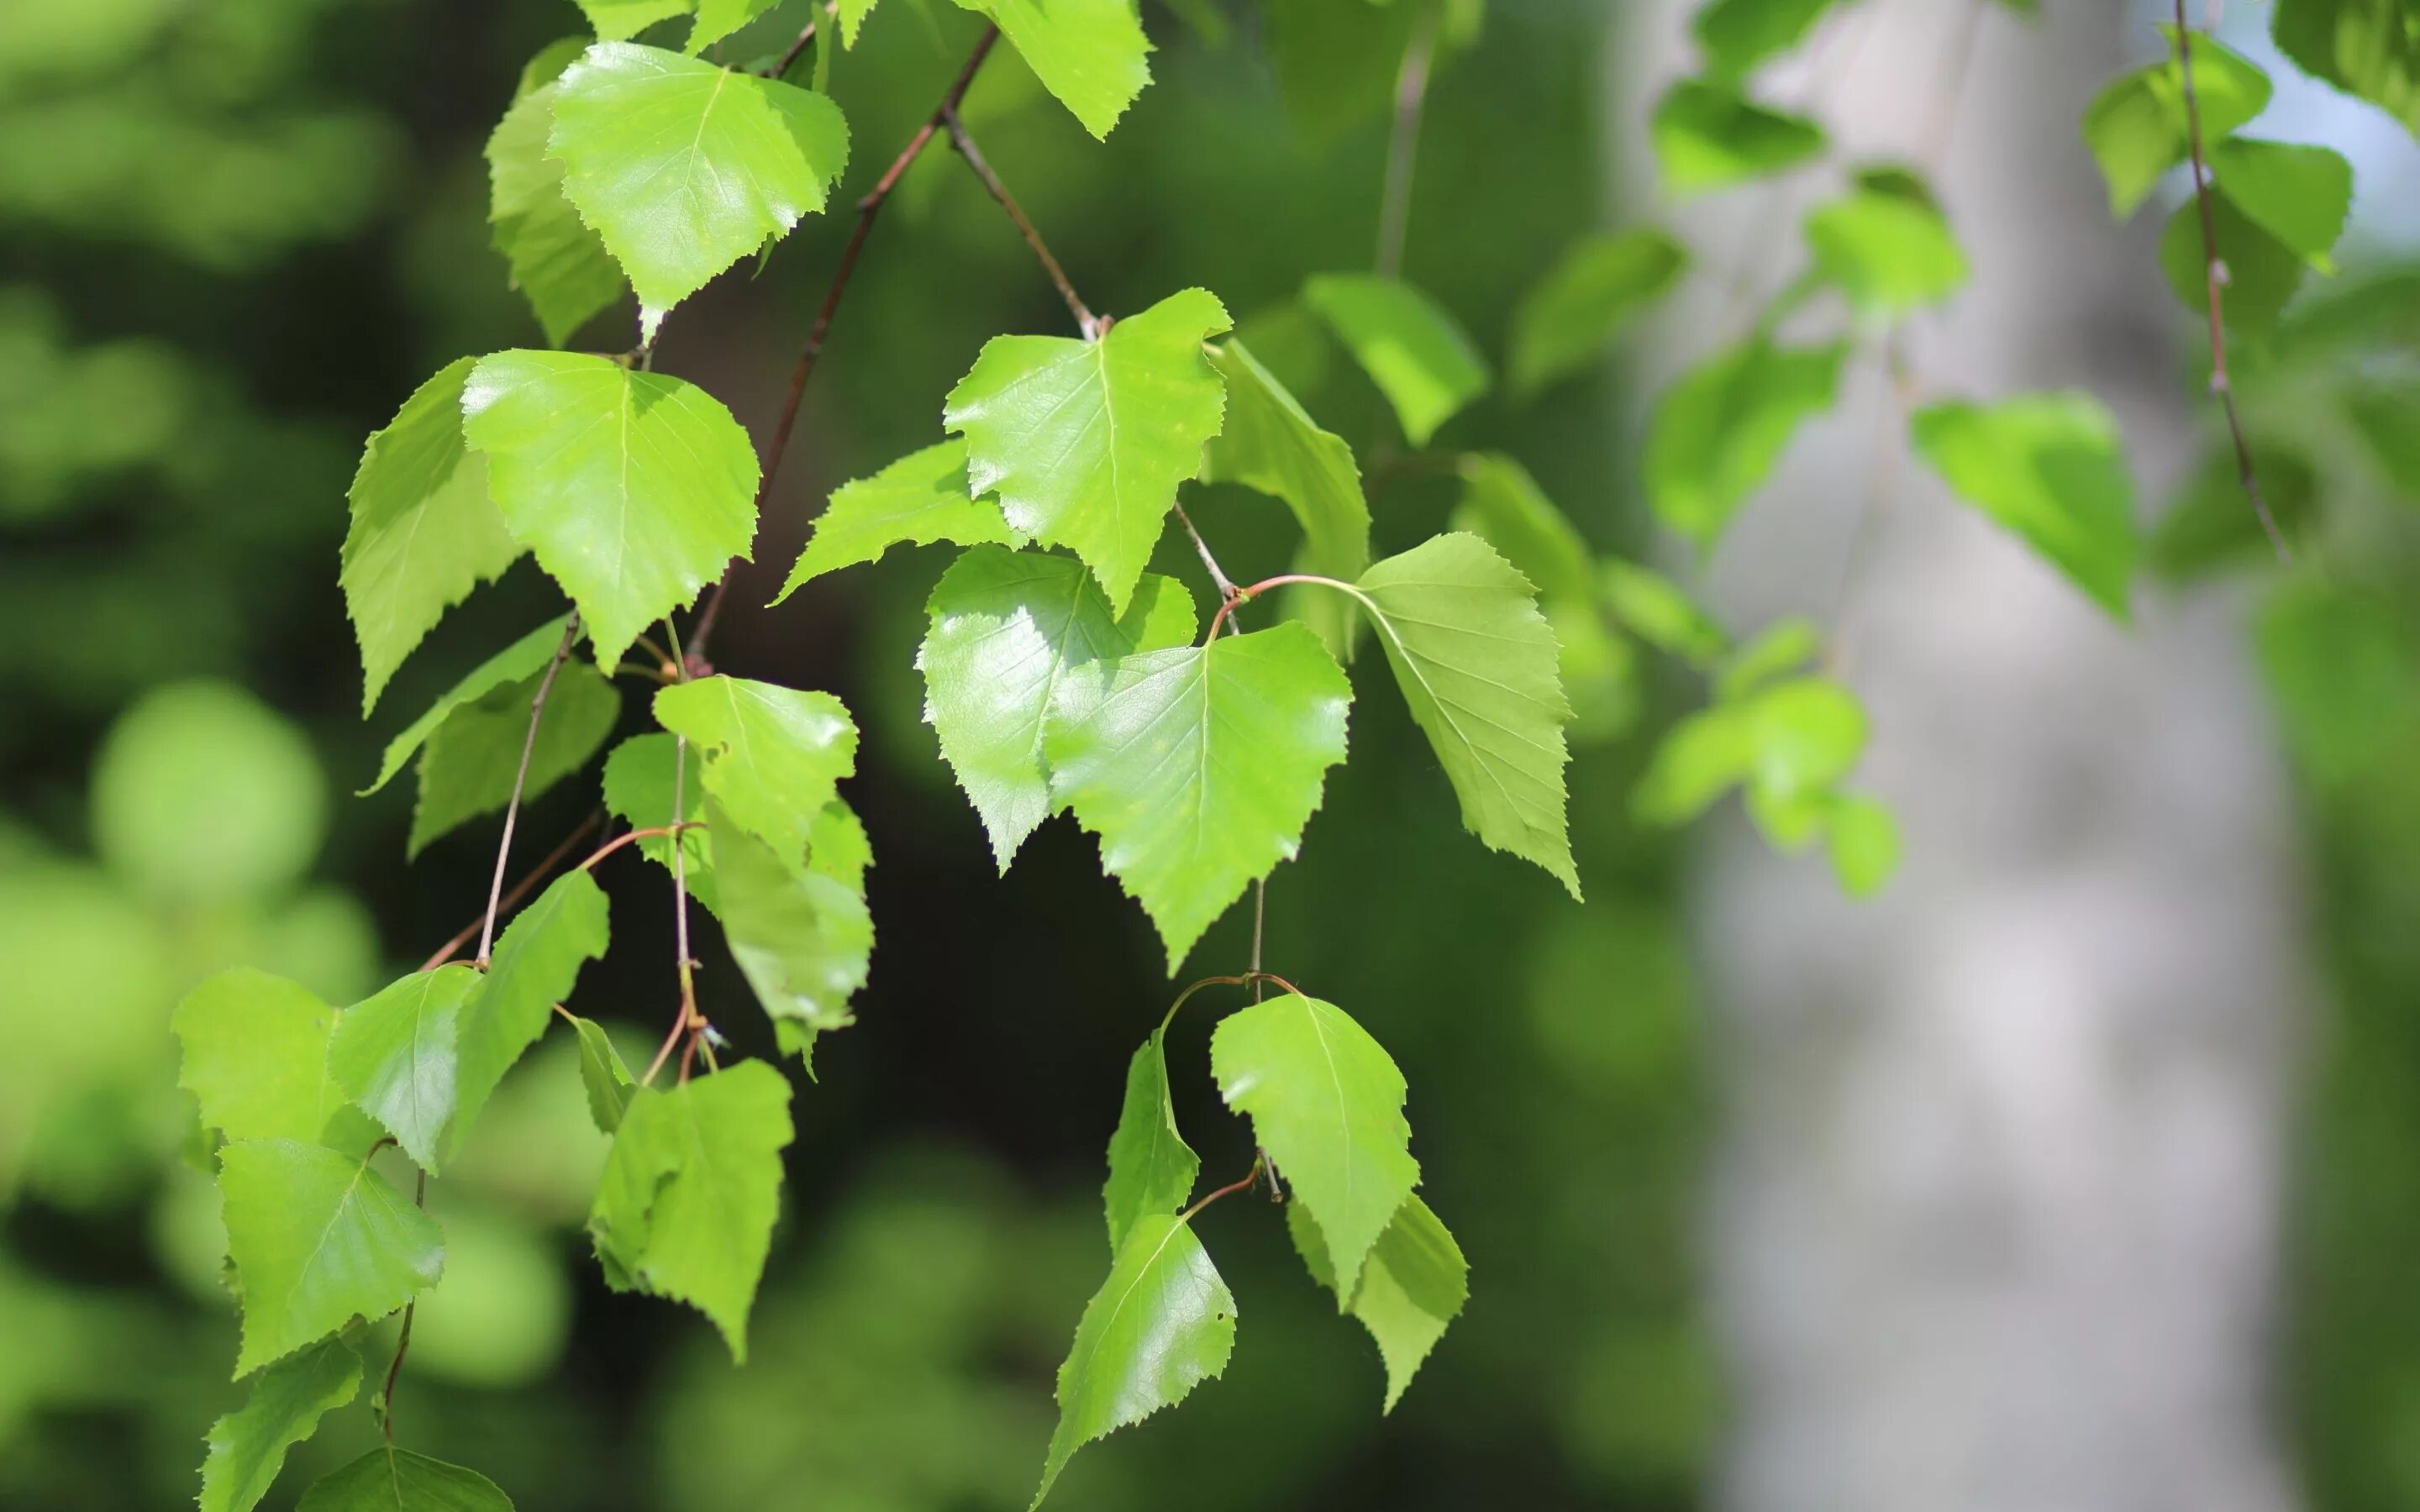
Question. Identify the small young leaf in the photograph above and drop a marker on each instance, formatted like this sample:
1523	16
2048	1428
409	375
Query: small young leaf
1198	766
1890	253
1502	504
1707	136
920	498
1412	349
1864	845
2369	48
1701	759
1085	441
1718	430
424	532
686	1206
388	1479
771	756
803	939
2298	194
472	760
256	1056
247	1446
1655	608
1161	1324
524	658
1737	35
1479	668
1150	1166
1789	742
393	1054
1326	1103
2050	467
1589	298
633	489
1007	628
1270	443
639	791
1780	648
1088	52
684	168
318	1238
2137	126
1412	1285
1809	734
534	965
603	1076
557	262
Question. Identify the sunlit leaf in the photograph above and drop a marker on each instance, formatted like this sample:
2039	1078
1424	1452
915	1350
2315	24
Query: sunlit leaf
1412	349
803	939
536	961
1891	253
247	1446
2371	48
318	1238
395	1055
1150	1166
2137	126
1412	1285
2050	467
769	755
1091	54
1270	443
557	262
256	1056
920	498
1708	136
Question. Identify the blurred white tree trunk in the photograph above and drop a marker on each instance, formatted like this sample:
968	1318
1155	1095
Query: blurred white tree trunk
1994	1219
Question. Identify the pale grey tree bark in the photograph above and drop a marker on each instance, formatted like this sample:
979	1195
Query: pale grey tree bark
1995	1218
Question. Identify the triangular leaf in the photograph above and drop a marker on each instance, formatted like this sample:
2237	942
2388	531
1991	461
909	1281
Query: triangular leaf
920	498
474	758
557	262
2298	194
256	1056
718	19
247	1446
1412	349
1412	1285
1890	253
1737	35
2137	126
2052	468
603	1076
2259	273
1088	52
1707	136
768	755
1718	430
803	939
534	965
2371	48
1589	298
388	1479
1150	1166
1085	441
320	1239
1198	766
393	1054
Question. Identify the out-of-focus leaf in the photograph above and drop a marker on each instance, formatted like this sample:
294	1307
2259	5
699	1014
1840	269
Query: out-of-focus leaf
2137	127
2050	467
202	793
1719	429
1708	136
1412	349
1589	297
2371	48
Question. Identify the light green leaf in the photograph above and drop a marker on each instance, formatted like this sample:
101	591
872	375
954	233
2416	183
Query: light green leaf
1864	845
619	19
685	1206
2051	467
1809	734
684	168
1326	1103
1789	742
247	1446
1150	1166
852	17
318	1238
771	756
1008	627
1701	759
1477	665
639	791
1708	136
1088	52
256	1056
2137	126
1271	443
2338	668
2298	194
393	1054
1085	441
469	767
1781	647
1737	35
602	1075
633	489
2260	272
205	796
1718	430
1589	297
534	965
1503	505
1134	747
424	532
718	19
920	498
1160	1325
1412	349
557	262
388	1479
803	939
1412	1285
524	658
838	847
1891	253
1655	608
2371	48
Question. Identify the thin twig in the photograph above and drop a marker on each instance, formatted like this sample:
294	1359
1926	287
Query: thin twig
1085	321
688	1017
2216	279
513	807
1403	140
520	889
629	835
1225	584
780	68
868	209
1259	917
1230	1189
403	1338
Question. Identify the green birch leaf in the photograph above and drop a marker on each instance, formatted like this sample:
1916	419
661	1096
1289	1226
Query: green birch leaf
1085	441
685	1206
1699	759
718	19
557	262
1589	297
917	500
616	21
1891	253
1150	1166
633	489
602	1075
536	963
1809	735
1161	1324
1477	665
2369	48
803	939
247	1446
1718	430
1088	52
2137	128
1864	845
1737	35
2298	194
1412	1285
2262	273
1503	505
1780	648
852	17
255	1057
2050	467
388	1479
320	1239
424	532
468	767
1271	444
1008	627
639	791
1655	608
1326	1103
838	847
1707	136
524	658
1790	743
771	756
1134	745
1412	349
395	1055
683	168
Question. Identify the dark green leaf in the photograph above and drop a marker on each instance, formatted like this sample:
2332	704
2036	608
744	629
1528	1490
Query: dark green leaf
639	791
2338	664
524	658
388	1479
2371	48
1737	35
469	767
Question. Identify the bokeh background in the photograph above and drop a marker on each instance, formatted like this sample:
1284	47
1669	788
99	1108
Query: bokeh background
234	236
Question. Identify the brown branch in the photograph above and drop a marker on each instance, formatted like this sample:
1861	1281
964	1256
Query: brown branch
2220	384
520	890
1403	141
868	209
513	807
1229	1190
1085	321
1226	585
403	1338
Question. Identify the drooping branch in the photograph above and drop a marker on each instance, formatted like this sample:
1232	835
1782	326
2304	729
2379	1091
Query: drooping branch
1085	321
520	889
